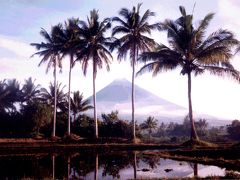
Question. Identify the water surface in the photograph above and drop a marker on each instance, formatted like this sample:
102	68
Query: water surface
114	165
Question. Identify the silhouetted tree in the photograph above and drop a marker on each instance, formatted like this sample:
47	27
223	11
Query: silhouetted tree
234	130
190	50
150	124
50	52
133	29
78	105
94	48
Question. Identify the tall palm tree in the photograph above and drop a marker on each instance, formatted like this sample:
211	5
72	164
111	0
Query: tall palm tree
50	53
68	37
71	49
133	29
191	51
94	43
79	105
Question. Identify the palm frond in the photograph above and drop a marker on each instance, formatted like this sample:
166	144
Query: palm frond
201	29
120	30
146	16
223	71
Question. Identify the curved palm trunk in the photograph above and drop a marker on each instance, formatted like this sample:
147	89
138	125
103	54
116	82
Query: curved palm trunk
69	96
94	102
193	129
55	101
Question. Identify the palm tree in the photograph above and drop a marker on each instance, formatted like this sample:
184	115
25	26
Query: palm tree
70	43
70	49
94	49
191	51
48	96
50	52
150	124
5	102
14	94
30	91
133	27
79	105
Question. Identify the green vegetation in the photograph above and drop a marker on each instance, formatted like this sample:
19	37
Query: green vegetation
30	109
179	133
27	110
150	124
94	47
132	28
192	52
32	115
50	51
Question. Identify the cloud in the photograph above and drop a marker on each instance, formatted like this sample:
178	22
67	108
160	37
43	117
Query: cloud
228	11
18	48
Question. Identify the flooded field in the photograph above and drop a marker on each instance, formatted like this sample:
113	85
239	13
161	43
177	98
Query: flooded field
114	165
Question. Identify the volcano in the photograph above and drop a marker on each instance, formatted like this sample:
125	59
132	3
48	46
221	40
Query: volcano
117	96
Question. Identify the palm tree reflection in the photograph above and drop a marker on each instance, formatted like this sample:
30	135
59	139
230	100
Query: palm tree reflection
135	164
96	168
53	166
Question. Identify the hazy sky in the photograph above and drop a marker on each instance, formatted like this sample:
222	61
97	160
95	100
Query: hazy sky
21	21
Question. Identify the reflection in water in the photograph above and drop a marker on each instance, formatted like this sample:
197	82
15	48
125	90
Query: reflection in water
68	167
195	169
151	161
53	166
115	165
96	168
135	164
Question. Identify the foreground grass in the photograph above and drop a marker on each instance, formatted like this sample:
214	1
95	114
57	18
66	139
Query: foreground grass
193	143
229	175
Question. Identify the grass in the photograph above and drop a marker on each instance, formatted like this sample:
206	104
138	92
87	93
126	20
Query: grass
195	143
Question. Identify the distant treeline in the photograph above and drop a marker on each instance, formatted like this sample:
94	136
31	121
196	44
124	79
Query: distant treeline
26	111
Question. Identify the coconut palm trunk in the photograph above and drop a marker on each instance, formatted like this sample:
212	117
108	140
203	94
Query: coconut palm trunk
55	100
133	99
69	95
133	93
193	129
94	101
149	134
